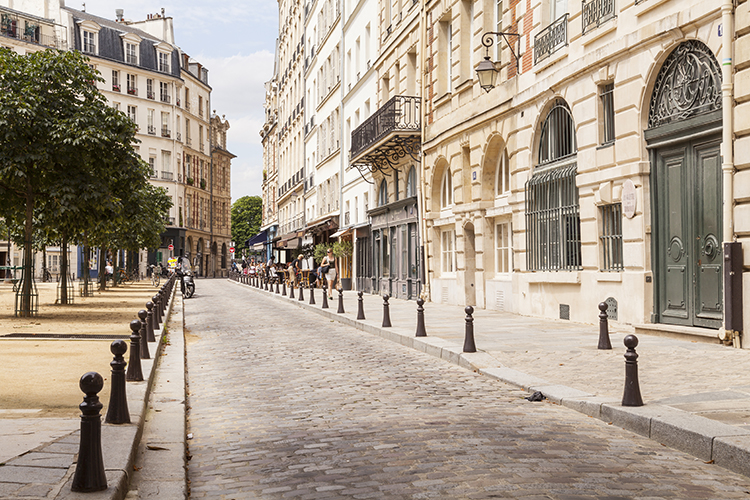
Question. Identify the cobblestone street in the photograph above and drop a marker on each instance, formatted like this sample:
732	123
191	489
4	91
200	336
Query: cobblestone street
287	404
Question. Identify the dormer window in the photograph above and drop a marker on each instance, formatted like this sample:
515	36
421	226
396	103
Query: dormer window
131	53
163	62
89	36
89	42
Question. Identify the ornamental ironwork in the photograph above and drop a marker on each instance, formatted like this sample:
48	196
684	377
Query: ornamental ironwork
551	39
596	12
688	84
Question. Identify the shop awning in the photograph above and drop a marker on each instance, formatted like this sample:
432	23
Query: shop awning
327	224
342	232
261	237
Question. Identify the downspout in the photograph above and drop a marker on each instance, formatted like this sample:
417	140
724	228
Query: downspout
727	166
422	184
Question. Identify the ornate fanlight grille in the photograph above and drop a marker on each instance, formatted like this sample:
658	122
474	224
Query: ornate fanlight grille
689	84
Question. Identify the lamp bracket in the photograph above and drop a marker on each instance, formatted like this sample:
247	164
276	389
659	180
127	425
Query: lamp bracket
488	40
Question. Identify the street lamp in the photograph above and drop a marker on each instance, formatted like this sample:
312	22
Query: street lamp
486	71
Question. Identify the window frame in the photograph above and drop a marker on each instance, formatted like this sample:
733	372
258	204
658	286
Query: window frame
448	252
610	238
446	190
502	188
503	247
383	193
607	113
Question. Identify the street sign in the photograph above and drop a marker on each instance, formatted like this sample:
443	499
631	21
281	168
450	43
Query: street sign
170	247
231	249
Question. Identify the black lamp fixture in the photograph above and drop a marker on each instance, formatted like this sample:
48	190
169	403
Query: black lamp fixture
486	72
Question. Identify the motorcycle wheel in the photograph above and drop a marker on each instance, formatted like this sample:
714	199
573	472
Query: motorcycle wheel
189	291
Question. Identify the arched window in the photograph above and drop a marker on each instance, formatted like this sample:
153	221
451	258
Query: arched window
383	193
411	182
502	176
553	221
396	186
446	191
558	135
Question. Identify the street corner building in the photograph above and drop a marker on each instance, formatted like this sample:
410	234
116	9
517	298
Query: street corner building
531	156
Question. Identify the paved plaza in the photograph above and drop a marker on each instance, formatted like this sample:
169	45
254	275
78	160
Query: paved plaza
285	403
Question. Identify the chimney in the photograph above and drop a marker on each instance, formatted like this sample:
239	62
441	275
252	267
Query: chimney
119	15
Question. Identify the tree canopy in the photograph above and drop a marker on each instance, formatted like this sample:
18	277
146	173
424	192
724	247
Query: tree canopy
246	218
67	161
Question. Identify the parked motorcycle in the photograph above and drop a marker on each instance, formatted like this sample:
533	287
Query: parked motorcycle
185	273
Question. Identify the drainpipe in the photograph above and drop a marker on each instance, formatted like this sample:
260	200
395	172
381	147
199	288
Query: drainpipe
727	166
421	208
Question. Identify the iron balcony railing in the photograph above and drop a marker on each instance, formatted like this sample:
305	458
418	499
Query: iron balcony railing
292	225
165	132
133	90
293	181
150	94
400	114
179	136
169	221
151	130
551	39
167	176
27	30
165	98
596	13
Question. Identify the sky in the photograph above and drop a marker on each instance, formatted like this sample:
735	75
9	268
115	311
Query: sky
235	40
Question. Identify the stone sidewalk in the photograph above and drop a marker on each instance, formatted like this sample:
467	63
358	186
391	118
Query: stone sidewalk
696	395
41	462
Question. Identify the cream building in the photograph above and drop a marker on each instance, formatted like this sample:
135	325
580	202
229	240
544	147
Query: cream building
269	189
593	170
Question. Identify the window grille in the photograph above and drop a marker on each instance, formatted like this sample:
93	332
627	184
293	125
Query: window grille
553	222
611	237
558	138
606	94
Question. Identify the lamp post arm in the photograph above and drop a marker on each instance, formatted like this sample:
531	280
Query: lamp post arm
488	40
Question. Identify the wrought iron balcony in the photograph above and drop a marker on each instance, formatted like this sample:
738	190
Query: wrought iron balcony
165	132
115	87
596	13
150	94
167	176
392	132
132	91
165	98
551	39
30	29
151	130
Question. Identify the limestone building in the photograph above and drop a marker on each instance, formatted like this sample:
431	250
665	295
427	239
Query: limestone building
593	170
269	190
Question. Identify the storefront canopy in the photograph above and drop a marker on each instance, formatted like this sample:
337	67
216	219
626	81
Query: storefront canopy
261	237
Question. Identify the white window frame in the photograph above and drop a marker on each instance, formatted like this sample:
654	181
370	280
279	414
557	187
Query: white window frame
448	252
503	248
133	113
502	176
446	190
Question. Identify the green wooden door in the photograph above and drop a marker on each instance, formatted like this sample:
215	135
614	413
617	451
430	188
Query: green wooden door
688	250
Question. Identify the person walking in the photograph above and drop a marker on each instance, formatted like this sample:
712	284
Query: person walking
329	271
298	269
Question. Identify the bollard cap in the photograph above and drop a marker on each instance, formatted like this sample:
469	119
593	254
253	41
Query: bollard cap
359	293
91	383
469	310
149	305
386	297
118	347
142	314
135	325
631	341
155	298
602	306
420	301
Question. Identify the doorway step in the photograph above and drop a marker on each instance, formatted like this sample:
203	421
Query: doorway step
692	333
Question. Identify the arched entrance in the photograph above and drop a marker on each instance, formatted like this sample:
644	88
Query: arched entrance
684	139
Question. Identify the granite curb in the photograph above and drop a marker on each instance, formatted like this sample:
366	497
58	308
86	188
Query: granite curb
709	440
39	470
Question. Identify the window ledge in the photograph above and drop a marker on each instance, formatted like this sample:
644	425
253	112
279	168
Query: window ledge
446	97
596	33
561	277
646	6
499	210
613	277
503	278
552	59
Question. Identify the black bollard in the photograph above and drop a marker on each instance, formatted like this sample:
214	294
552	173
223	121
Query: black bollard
386	312
360	306
117	410
325	299
155	300
632	394
89	475
312	295
142	315
421	332
283	288
150	321
604	342
291	290
341	302
265	282
301	295
277	287
469	345
135	373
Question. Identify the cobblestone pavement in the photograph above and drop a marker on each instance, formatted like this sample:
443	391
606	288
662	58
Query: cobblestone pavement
290	405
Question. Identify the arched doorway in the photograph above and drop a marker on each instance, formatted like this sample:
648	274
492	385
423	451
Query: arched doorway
684	139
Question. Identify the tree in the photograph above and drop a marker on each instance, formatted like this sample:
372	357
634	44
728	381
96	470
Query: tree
247	215
63	150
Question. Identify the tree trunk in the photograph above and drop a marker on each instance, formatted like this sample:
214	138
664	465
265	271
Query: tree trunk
86	274
116	268
28	263
64	270
102	269
44	262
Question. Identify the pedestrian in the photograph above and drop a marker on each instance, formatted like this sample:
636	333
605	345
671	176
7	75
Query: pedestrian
298	268
328	268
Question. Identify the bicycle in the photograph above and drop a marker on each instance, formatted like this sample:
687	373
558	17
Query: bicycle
155	275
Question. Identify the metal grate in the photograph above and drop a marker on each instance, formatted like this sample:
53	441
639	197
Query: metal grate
553	222
551	39
596	13
611	237
444	298
558	137
564	311
500	300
